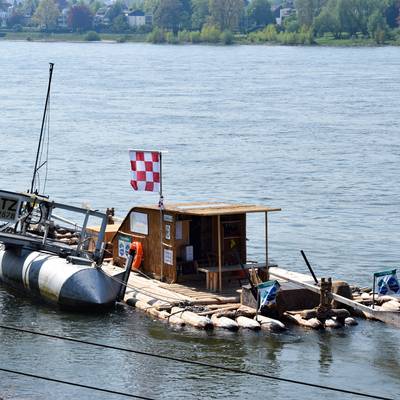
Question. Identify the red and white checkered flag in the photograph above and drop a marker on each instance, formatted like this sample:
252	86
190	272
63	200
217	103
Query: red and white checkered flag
145	166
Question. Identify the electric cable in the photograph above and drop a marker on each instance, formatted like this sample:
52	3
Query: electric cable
46	378
200	363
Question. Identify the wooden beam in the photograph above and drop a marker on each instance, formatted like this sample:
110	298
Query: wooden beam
219	253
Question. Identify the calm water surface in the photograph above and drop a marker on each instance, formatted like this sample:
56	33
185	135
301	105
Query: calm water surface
314	131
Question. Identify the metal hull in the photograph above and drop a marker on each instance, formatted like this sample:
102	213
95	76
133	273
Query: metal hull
56	280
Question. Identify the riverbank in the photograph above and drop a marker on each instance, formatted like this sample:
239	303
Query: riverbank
143	38
73	37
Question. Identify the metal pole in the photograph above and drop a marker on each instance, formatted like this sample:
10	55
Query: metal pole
42	128
266	245
125	277
309	267
373	293
161	205
219	253
258	304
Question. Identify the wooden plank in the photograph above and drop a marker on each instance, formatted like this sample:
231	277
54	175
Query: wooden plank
390	317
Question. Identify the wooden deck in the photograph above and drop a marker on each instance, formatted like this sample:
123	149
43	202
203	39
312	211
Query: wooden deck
197	292
291	296
193	292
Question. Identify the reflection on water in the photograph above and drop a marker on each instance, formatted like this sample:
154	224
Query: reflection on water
314	131
325	353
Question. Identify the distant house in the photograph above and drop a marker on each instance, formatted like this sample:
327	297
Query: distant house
136	18
62	20
280	13
101	16
5	13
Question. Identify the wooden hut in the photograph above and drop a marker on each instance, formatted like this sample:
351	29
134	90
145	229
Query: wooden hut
183	242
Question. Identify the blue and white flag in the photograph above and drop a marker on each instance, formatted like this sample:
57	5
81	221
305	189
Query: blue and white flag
267	292
387	282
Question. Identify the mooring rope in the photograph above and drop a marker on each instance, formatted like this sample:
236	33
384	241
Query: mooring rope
144	291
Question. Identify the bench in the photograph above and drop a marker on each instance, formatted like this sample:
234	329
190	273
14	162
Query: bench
213	272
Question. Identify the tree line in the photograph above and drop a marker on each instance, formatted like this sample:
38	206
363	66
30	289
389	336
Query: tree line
375	19
304	20
225	20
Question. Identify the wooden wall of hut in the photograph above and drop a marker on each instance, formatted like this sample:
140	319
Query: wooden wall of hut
151	253
159	260
178	231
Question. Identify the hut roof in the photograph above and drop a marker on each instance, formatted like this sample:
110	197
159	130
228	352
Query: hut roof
210	208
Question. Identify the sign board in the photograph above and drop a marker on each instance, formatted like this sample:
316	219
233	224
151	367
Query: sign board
168	257
168	218
124	243
9	207
168	231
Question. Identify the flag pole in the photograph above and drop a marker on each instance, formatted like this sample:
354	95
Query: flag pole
161	206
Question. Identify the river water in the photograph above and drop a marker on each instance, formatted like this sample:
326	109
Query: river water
314	131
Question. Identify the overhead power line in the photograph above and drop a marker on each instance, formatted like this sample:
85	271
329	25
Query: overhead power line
200	363
46	378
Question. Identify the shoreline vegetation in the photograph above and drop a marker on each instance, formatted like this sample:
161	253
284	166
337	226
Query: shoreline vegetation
219	22
213	37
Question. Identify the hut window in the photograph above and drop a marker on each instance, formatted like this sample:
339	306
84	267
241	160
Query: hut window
139	223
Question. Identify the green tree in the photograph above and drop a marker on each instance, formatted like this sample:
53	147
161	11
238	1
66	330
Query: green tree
210	34
392	8
46	14
291	24
115	10
171	15
305	11
328	20
80	18
227	37
136	5
15	20
377	27
120	24
150	6
226	13
348	18
156	36
28	7
259	13
354	14
200	12
95	5
92	36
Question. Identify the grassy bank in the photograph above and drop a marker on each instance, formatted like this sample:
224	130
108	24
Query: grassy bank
258	38
73	37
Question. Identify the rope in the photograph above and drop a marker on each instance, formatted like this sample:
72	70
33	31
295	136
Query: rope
201	364
143	291
46	378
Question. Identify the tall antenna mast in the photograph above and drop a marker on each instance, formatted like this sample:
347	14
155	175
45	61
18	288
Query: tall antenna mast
42	129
